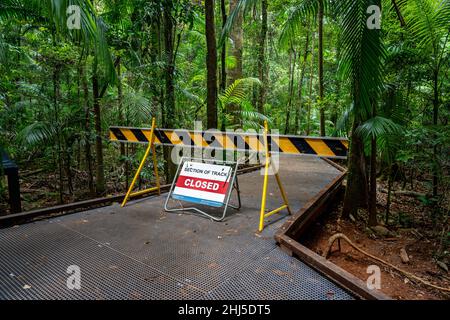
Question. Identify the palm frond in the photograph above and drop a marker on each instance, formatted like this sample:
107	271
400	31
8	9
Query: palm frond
241	7
427	20
138	106
377	127
236	92
297	15
38	133
19	9
92	28
362	53
343	122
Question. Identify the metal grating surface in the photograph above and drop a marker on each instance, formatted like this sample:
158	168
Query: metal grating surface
141	252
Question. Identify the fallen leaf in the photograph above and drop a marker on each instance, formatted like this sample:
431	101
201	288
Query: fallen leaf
442	265
279	272
404	255
213	265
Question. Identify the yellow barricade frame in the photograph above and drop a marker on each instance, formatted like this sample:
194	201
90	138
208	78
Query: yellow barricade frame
268	164
150	147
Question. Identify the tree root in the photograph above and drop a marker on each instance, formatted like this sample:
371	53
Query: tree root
339	236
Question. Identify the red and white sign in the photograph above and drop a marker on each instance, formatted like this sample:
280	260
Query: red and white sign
203	183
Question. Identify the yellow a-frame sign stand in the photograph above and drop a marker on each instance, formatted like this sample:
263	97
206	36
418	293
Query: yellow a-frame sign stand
150	147
268	164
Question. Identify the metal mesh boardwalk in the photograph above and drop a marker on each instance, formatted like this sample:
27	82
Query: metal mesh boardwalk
141	252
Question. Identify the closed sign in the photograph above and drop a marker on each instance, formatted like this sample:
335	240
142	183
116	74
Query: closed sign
203	183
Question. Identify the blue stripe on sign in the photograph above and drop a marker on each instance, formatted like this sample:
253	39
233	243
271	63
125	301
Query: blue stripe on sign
198	200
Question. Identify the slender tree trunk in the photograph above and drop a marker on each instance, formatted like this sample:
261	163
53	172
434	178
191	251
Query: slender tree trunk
335	115
236	36
300	85
292	59
120	101
388	199
121	117
56	98
356	190
311	76
100	182
223	60
87	131
321	86
399	14
435	122
236	50
69	145
68	170
372	201
211	65
373	184
262	58
168	111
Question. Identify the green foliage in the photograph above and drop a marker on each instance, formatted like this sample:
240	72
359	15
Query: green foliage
46	77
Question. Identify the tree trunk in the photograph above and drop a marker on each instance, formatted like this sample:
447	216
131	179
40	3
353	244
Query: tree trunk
356	190
311	76
100	182
87	132
435	122
372	201
236	36
223	66
300	85
373	184
121	117
211	65
292	59
235	73
56	98
321	86
335	114
168	110
389	192
262	58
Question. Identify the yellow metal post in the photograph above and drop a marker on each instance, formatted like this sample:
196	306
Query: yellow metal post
263	214
155	166
141	165
283	194
266	179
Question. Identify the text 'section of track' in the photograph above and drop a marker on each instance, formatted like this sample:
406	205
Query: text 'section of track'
336	148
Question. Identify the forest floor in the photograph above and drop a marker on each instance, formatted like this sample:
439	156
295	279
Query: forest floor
40	190
424	247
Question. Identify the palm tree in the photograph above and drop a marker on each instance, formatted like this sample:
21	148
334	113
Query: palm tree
362	53
90	36
211	64
428	21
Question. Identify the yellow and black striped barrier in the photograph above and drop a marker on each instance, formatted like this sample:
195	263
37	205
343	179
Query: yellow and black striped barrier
236	141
